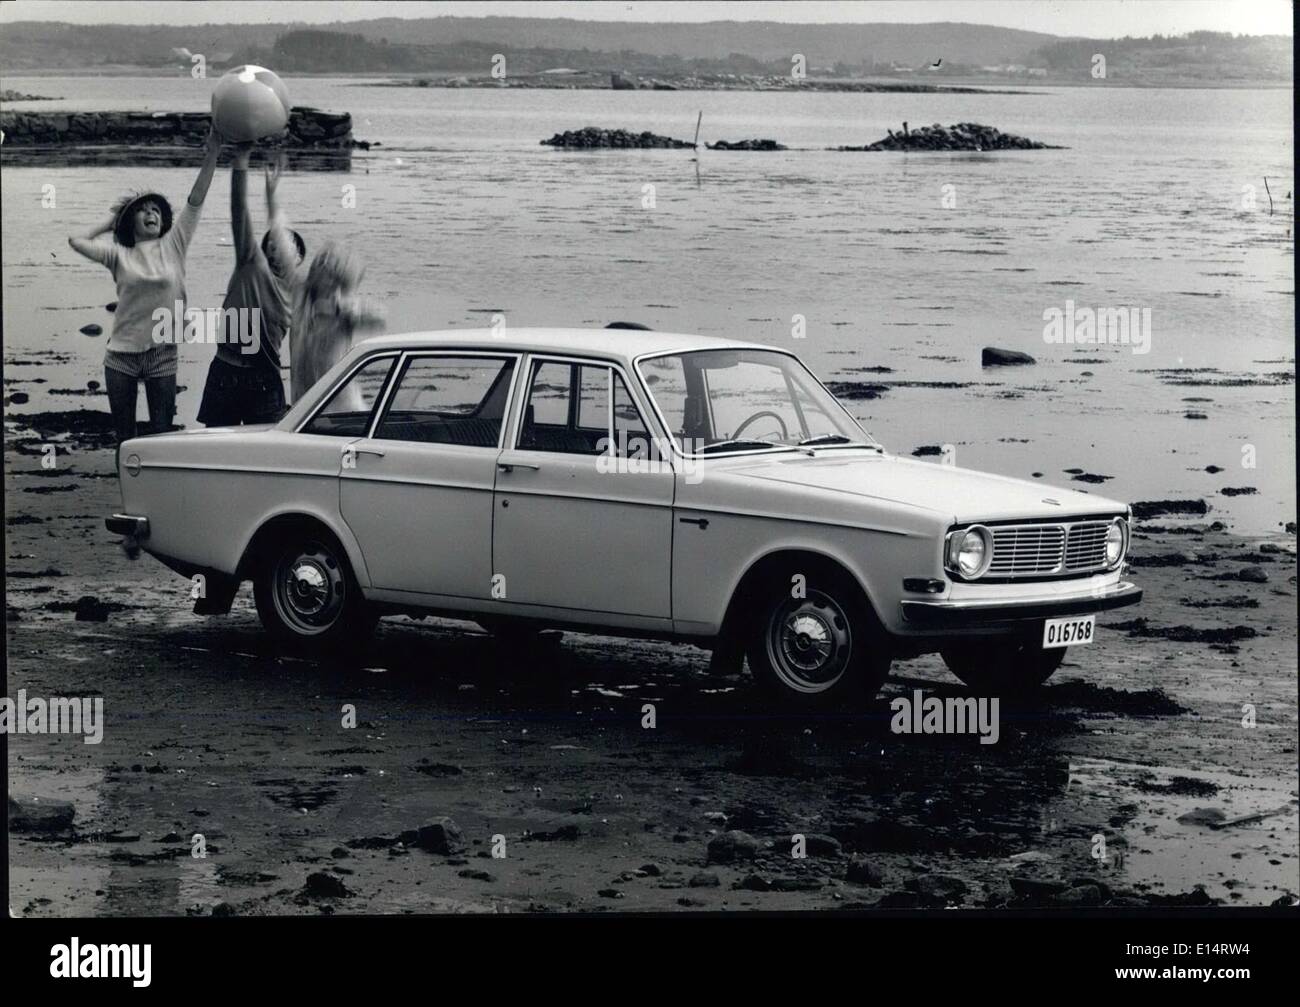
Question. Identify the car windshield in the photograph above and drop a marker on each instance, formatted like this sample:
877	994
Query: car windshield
716	401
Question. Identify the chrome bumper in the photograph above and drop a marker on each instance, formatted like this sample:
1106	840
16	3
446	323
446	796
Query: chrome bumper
128	524
984	615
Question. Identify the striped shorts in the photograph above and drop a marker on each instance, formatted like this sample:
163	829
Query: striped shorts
156	362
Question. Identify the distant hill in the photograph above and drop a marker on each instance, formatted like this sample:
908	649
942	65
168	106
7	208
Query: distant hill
38	45
460	45
1205	57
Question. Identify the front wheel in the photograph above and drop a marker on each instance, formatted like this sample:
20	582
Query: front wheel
816	642
307	596
1003	667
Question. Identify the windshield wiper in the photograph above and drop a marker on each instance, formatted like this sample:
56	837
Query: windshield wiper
738	443
825	439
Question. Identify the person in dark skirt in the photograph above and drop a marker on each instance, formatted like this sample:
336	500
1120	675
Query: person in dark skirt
244	382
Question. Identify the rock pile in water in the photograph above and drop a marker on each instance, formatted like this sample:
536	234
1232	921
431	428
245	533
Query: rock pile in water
746	145
961	136
590	137
308	128
8	94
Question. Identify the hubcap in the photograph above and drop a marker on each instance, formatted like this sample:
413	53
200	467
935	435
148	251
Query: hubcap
809	642
309	588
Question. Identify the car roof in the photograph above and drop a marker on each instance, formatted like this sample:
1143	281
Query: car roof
622	345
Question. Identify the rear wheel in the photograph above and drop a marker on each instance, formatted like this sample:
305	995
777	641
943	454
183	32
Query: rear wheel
1004	667
307	596
816	642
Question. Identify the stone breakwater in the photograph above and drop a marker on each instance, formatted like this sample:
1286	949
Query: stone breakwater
308	127
746	145
962	136
591	138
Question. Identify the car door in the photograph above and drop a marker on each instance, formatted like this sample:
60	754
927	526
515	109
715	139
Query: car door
417	492
580	523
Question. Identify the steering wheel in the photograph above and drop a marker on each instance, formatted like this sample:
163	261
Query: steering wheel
785	433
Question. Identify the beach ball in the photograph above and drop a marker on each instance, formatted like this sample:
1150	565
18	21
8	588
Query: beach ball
249	102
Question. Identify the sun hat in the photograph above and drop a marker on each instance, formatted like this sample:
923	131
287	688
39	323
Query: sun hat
124	214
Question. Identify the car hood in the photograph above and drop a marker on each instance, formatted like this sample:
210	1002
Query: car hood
964	494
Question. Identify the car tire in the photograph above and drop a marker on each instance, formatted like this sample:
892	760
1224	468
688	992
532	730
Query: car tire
308	598
819	647
1005	667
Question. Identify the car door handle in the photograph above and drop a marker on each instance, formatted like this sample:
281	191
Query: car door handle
699	522
361	449
511	466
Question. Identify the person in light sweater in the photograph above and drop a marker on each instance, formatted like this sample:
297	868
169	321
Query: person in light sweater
146	255
327	314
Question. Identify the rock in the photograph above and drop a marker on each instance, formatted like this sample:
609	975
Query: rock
474	875
441	836
590	137
91	609
1035	888
324	886
1083	895
937	886
28	813
1144	509
816	845
995	357
1252	575
862	872
731	847
92	329
754	883
19	398
797	884
628	325
746	145
704	879
961	136
110	307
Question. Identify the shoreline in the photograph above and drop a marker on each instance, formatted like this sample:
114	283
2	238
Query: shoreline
977	85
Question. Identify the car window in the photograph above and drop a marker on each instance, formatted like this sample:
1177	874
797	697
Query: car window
554	420
666	379
630	434
751	399
568	409
449	400
347	413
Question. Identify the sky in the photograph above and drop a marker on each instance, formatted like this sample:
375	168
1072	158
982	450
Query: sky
1094	18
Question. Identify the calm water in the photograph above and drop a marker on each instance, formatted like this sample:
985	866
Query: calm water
460	213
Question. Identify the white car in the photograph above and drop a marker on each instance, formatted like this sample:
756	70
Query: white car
633	483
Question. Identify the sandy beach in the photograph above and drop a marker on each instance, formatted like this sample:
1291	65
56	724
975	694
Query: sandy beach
1139	739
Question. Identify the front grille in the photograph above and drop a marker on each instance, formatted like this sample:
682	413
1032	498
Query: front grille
1085	546
1026	550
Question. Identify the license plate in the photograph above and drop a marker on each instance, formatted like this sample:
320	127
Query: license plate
1068	632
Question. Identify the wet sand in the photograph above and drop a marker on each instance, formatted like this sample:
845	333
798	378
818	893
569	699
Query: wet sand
1138	740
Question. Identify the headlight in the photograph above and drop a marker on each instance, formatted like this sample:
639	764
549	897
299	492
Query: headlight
1116	542
970	552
